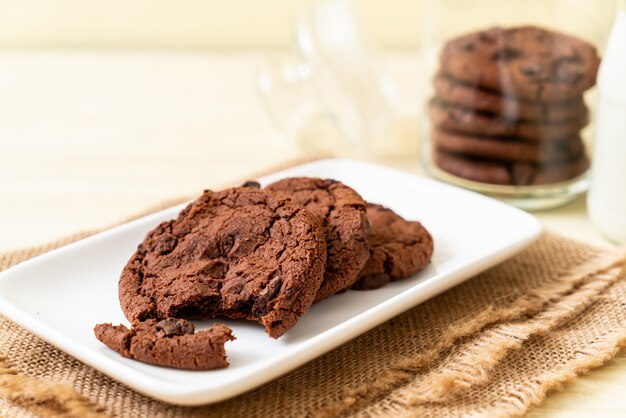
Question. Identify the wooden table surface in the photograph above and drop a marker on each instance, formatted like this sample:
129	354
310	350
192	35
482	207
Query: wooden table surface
88	138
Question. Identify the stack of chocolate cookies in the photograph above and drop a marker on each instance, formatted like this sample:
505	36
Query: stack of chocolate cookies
508	106
264	255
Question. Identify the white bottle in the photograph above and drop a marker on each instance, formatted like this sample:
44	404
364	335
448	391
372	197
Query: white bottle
607	195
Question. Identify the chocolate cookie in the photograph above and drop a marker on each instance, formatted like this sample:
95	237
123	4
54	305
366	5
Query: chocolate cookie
523	62
341	211
398	248
458	119
507	149
169	342
239	253
509	173
454	92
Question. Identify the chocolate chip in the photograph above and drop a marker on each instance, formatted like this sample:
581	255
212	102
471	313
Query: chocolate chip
534	71
487	37
507	54
252	183
568	70
266	296
372	282
522	173
226	244
468	47
165	244
171	327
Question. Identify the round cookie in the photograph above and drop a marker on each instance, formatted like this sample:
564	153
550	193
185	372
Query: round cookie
398	248
239	253
508	149
457	119
169	342
341	211
461	94
523	62
509	173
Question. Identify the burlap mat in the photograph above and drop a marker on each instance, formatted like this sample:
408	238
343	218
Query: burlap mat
493	346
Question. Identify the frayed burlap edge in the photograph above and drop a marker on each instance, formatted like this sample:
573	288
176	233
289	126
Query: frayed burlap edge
409	400
439	374
44	398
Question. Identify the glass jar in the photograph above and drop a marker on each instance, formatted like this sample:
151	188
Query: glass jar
507	84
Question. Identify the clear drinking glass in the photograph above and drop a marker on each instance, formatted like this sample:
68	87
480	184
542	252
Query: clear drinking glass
507	109
332	91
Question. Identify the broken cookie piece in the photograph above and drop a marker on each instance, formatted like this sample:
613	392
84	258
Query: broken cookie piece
169	342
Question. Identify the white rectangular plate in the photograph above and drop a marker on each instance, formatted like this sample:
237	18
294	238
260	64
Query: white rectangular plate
61	295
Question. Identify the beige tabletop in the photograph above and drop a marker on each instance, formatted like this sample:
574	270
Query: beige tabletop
89	138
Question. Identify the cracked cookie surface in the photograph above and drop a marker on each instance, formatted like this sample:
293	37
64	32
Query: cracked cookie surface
237	253
398	248
341	212
169	342
527	62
